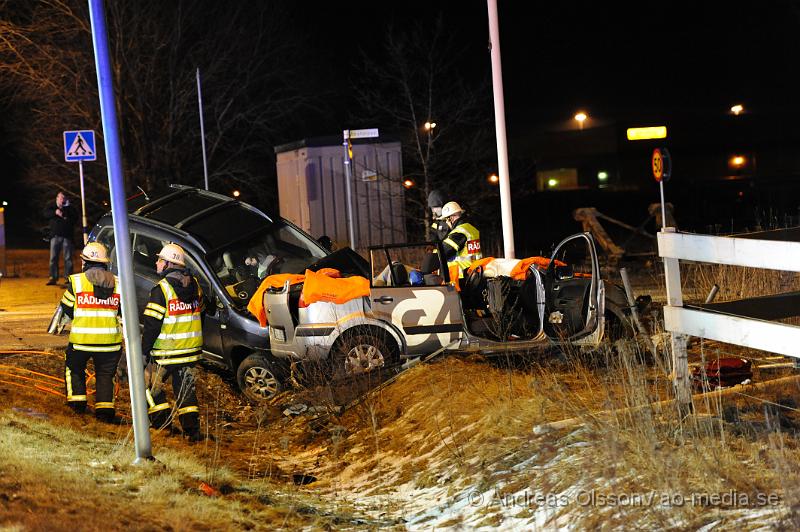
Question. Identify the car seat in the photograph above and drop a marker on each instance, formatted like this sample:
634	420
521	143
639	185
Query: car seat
399	274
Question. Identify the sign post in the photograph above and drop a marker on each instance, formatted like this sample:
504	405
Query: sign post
79	147
662	171
348	135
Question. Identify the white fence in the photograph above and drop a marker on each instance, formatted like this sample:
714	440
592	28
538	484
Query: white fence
742	327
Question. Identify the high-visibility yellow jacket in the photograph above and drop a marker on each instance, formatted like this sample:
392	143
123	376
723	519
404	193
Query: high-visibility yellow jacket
465	239
95	326
181	337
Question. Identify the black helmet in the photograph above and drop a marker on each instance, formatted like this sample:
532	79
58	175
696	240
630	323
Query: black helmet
435	198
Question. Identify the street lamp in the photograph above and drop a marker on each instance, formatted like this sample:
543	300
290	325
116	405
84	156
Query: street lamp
581	117
236	193
429	126
493	179
408	183
737	161
737	109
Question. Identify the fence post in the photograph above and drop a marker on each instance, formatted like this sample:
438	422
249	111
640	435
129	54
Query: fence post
680	359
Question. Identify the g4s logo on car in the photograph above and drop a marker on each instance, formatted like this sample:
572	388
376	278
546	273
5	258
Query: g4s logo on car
425	309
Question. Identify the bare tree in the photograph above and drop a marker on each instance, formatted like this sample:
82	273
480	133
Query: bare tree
245	51
417	80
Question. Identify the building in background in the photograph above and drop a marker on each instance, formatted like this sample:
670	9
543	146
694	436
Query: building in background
731	171
312	192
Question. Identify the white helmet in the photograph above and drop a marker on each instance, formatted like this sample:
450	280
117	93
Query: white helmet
450	208
172	253
95	252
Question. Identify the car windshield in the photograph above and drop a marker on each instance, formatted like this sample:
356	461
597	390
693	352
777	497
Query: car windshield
280	248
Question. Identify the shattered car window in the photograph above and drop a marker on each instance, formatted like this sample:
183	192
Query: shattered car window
243	264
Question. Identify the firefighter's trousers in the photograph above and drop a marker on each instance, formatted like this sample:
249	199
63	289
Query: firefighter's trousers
183	388
105	369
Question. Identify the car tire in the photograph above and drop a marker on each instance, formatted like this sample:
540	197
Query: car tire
362	352
260	378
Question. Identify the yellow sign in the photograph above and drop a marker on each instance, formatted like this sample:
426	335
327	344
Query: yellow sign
645	133
662	165
658	165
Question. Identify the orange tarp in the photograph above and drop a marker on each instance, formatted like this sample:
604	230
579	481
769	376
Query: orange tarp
455	273
256	304
321	287
480	262
520	270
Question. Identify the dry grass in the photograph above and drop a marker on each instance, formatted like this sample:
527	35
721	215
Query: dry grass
54	478
462	426
421	447
735	282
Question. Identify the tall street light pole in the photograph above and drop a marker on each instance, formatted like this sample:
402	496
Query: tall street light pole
429	126
500	128
122	241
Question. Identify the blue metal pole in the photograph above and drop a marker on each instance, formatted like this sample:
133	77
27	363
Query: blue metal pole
122	242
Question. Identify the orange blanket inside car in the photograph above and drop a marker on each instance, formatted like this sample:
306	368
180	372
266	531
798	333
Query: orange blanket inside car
520	271
256	303
321	287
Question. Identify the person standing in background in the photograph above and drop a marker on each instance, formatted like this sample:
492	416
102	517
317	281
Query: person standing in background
61	217
438	228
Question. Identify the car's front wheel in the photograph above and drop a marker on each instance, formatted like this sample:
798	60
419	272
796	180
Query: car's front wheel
259	378
362	352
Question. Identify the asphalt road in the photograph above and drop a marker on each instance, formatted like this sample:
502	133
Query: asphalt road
26	306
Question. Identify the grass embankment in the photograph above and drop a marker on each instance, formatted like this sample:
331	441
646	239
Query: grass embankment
57	478
448	444
452	444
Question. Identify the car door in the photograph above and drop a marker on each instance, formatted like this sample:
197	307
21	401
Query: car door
572	289
429	316
215	317
144	250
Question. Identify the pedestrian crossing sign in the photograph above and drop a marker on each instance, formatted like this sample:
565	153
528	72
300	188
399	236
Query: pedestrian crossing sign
79	146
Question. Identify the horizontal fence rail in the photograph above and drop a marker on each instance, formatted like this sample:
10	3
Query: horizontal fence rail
706	322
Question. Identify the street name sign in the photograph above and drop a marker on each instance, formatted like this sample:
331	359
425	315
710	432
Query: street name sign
360	133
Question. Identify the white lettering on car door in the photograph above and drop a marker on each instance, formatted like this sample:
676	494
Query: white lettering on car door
429	306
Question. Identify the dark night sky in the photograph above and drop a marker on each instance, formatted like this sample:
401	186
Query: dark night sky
611	59
606	57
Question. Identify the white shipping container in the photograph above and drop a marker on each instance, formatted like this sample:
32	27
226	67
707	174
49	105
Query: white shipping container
312	192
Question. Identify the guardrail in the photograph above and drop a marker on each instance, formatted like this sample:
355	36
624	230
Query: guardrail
748	322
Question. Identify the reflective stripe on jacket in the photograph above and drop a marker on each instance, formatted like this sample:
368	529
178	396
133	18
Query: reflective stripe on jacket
181	336
469	251
95	326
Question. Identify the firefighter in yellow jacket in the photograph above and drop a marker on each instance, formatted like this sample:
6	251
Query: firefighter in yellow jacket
92	301
462	245
172	341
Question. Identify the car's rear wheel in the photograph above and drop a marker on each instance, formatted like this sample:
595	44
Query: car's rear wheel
362	352
259	378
